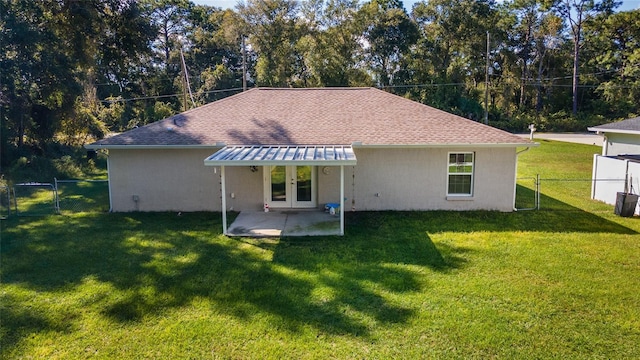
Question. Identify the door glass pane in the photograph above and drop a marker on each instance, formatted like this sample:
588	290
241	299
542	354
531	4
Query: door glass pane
303	183
278	183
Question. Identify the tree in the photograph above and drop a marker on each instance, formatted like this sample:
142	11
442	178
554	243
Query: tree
331	50
577	13
273	34
169	17
214	57
388	33
53	53
123	46
451	52
615	47
38	73
535	31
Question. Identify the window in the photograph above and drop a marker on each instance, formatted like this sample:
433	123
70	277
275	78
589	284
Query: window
460	174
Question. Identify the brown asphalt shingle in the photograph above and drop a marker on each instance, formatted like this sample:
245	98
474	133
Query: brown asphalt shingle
330	116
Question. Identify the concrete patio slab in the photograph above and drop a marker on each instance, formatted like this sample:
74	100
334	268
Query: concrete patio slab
278	223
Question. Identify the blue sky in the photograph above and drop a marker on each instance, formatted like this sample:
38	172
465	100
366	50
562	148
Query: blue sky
626	4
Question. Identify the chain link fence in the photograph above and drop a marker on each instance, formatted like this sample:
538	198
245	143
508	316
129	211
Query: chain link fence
61	196
5	202
531	194
527	191
71	196
34	199
82	195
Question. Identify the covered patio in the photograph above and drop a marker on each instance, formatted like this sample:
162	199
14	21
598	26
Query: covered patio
283	223
291	221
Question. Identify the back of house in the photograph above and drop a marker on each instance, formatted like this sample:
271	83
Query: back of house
303	148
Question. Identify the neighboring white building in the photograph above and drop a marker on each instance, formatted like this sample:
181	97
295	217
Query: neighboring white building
301	148
620	138
617	169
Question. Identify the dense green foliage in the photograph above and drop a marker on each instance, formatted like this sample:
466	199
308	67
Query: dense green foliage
441	285
73	71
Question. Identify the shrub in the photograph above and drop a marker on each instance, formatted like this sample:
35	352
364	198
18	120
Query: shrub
60	162
67	168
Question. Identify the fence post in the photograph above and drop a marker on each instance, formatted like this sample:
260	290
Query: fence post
15	200
538	191
57	199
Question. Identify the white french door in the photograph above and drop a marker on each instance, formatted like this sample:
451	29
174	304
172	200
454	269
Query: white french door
290	186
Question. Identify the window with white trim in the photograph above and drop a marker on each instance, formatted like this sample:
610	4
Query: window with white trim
460	174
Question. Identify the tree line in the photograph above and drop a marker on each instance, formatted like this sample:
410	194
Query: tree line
72	71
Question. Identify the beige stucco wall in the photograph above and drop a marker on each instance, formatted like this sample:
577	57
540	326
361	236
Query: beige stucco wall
618	144
244	188
329	184
416	179
163	180
383	179
177	180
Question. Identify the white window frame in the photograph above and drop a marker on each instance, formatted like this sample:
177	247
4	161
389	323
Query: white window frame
471	173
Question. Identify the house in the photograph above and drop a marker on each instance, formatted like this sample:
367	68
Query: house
619	138
361	148
617	169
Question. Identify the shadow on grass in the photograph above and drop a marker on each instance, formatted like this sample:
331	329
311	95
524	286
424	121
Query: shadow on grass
525	199
140	265
128	267
558	216
33	200
19	321
80	196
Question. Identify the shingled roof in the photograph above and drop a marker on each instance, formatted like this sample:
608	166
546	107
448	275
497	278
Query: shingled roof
331	116
629	126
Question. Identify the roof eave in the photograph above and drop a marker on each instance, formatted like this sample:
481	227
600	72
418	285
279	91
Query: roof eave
598	130
354	144
445	145
151	147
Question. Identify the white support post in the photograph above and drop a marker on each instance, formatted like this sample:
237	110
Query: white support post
223	190
341	200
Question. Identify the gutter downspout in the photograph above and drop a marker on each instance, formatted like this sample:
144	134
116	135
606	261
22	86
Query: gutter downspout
515	180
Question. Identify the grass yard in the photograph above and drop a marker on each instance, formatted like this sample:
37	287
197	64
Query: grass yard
556	283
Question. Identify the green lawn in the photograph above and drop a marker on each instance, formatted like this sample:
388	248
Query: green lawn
557	283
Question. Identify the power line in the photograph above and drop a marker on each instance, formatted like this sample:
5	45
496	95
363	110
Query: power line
404	86
118	100
420	85
498	87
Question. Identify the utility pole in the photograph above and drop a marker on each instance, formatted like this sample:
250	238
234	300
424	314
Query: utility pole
184	81
486	86
244	66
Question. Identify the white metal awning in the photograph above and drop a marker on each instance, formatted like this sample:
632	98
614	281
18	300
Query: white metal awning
258	155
